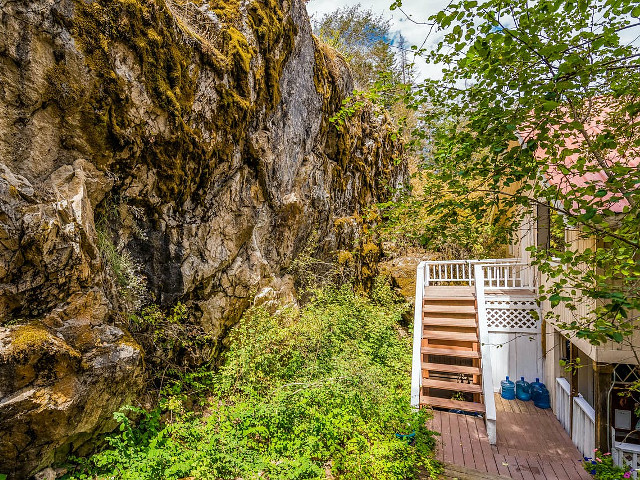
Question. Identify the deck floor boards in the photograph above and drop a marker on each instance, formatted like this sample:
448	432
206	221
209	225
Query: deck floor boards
531	443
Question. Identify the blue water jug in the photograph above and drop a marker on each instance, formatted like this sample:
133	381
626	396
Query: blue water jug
542	399
535	387
507	389
523	390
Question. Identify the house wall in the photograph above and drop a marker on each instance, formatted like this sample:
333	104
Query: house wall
552	346
610	352
512	355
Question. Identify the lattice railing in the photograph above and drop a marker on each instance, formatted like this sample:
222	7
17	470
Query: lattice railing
512	314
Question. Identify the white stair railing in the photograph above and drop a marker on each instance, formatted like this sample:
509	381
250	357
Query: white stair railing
459	272
448	272
485	349
563	403
416	363
583	426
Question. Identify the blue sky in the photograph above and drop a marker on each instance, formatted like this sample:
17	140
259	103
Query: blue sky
415	34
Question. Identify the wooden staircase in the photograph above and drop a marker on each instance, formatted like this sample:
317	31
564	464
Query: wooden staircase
450	350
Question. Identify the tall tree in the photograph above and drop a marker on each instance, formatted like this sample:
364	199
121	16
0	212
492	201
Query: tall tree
540	107
364	39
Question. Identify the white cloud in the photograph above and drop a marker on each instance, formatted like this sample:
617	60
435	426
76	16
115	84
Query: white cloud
414	33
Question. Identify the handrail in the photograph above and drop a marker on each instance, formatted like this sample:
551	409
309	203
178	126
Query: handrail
512	275
563	403
416	363
485	348
585	407
474	261
583	425
564	384
461	271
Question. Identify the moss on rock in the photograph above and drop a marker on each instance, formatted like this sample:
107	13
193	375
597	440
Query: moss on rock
29	339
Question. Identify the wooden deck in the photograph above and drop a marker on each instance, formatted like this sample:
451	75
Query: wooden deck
531	445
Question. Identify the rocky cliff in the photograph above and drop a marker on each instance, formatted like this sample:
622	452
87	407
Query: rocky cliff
155	152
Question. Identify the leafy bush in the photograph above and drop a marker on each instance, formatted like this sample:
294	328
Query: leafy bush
173	343
310	394
601	466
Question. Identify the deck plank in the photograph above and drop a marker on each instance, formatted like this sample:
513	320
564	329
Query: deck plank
513	466
465	442
560	471
531	444
487	450
474	440
503	465
535	468
549	474
458	455
446	438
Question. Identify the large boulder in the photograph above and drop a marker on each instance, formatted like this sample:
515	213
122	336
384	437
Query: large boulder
158	152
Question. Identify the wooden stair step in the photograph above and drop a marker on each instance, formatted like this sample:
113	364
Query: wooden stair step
449	352
446	308
460	336
452	404
443	367
450	322
453	386
449	291
448	298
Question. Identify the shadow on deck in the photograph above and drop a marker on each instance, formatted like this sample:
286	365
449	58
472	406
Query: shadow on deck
531	445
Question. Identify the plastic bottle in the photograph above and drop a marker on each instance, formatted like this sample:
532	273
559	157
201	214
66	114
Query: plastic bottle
507	389
536	387
542	399
523	390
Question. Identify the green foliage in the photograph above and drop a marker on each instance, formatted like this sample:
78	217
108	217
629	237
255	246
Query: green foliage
130	283
301	395
550	91
601	466
420	219
173	343
364	39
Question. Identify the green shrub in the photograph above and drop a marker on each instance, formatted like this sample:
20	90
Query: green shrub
302	394
601	466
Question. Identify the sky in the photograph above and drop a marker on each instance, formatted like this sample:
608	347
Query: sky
415	34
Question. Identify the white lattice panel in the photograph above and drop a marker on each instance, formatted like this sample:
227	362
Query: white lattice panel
506	314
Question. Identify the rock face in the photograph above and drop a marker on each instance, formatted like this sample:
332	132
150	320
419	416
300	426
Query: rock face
156	152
